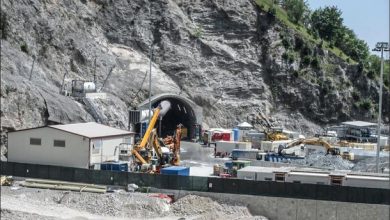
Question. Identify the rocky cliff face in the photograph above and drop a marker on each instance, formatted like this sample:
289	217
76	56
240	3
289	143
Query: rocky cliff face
227	56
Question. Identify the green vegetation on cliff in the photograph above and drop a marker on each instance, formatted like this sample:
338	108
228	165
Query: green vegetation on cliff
324	27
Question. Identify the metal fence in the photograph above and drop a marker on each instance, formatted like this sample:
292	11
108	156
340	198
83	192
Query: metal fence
204	184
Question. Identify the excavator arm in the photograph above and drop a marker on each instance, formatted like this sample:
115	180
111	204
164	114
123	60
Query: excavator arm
314	141
155	143
176	146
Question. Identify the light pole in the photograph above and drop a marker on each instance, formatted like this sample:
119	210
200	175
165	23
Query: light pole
380	46
150	64
150	81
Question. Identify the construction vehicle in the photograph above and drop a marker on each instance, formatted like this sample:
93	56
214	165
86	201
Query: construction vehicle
312	141
318	142
174	145
271	133
152	153
275	134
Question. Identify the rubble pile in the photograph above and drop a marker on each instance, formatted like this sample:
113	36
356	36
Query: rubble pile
319	160
26	203
206	208
369	164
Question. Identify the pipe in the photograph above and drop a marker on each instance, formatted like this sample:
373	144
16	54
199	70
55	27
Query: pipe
64	183
64	187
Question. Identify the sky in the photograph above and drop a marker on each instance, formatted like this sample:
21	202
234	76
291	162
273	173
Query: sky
369	19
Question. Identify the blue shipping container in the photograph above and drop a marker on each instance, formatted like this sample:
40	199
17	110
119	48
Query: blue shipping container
229	165
174	170
114	166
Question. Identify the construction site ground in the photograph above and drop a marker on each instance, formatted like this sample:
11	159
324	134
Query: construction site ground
19	202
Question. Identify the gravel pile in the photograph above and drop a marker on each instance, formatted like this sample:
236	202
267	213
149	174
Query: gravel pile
29	203
319	160
206	208
369	164
11	215
118	204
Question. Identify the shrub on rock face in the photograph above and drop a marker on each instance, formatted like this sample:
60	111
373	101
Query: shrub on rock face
315	63
355	96
3	26
306	60
365	104
24	48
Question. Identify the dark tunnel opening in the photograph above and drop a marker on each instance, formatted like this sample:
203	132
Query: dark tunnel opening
179	113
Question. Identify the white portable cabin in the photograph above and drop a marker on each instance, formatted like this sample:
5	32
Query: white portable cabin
79	145
368	181
273	146
263	173
229	146
308	177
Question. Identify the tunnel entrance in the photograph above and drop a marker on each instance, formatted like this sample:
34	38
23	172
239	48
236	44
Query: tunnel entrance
181	112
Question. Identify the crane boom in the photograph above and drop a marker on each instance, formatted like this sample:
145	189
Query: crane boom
152	123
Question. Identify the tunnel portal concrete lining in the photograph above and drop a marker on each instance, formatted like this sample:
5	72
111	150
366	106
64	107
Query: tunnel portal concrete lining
183	111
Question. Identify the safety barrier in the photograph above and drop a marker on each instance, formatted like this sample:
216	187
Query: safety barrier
205	184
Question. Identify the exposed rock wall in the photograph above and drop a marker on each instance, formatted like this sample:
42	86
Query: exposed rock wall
225	55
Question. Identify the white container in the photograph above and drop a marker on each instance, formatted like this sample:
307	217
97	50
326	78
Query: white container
89	87
228	146
273	146
308	177
366	181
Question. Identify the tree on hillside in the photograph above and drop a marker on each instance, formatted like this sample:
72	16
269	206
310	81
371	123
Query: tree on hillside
327	22
296	10
348	42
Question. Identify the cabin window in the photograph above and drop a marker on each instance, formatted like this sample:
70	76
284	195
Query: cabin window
59	143
296	181
35	141
336	180
279	177
267	179
96	146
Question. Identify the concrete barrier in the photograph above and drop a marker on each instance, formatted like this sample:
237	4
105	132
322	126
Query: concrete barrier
277	208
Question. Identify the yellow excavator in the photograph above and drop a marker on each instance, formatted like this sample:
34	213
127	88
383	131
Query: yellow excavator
275	134
315	141
164	154
318	141
272	133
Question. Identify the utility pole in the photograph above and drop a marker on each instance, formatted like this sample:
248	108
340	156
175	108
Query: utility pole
380	46
150	65
150	81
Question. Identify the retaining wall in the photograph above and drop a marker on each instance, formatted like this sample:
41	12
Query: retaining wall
278	208
202	184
